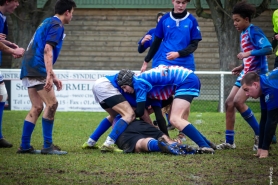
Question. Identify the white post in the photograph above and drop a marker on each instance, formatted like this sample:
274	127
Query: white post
222	93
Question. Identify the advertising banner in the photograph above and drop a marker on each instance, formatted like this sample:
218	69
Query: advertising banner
76	94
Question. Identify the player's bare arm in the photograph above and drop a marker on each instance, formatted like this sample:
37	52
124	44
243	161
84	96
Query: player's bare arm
9	44
146	117
57	82
236	71
243	55
17	51
48	58
144	66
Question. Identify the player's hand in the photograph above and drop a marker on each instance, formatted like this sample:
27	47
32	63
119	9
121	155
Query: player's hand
243	55
146	38
18	52
58	84
172	55
17	56
144	67
49	83
276	36
2	36
237	70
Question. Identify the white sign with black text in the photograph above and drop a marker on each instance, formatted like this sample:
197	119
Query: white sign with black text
76	94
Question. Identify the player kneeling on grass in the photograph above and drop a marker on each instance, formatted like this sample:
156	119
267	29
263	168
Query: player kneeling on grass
162	82
264	86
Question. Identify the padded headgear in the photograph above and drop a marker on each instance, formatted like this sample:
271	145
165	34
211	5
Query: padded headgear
125	77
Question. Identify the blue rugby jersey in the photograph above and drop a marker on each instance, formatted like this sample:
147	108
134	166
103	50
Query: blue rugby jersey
253	38
131	98
269	87
177	35
159	83
50	30
3	29
147	44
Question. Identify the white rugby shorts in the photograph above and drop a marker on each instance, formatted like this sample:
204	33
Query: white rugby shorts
31	82
103	89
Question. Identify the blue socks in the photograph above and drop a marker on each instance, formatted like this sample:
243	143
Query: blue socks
230	136
47	128
28	128
206	140
251	120
2	105
118	129
153	146
195	135
103	126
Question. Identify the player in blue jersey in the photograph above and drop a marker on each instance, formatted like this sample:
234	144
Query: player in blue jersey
254	50
38	76
146	41
162	82
180	33
265	87
6	7
118	104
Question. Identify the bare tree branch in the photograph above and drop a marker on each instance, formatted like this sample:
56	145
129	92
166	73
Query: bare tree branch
200	11
219	7
262	7
47	11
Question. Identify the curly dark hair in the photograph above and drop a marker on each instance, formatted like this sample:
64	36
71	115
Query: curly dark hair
244	10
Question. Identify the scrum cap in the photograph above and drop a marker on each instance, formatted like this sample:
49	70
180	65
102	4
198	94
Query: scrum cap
125	77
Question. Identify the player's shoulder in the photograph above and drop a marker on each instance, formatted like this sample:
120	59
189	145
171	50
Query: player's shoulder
253	28
165	16
53	21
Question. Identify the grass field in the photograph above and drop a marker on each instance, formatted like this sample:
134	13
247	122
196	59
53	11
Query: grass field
72	129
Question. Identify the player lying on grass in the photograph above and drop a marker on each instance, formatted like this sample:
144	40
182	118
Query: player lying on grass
162	82
105	124
114	101
140	136
265	87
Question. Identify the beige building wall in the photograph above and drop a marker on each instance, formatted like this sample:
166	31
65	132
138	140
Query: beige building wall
103	39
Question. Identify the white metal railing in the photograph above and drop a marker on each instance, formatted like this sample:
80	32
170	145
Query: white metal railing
78	83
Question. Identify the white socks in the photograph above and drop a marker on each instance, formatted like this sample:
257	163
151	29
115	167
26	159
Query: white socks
109	141
91	142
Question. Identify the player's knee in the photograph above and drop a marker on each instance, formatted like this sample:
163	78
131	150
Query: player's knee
52	110
130	117
174	121
138	146
238	104
229	102
3	93
38	110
